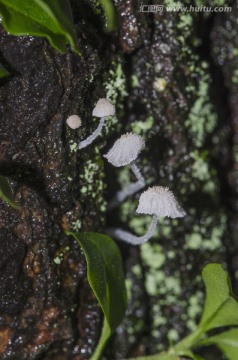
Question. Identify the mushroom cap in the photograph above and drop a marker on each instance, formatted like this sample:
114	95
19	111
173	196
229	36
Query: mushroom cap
103	108
125	149
74	121
159	200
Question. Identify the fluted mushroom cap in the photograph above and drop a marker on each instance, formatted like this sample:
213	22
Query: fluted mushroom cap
74	121
159	200
125	149
103	108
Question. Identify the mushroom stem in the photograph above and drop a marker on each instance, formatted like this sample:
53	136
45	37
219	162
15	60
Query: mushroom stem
137	173
133	239
121	195
93	136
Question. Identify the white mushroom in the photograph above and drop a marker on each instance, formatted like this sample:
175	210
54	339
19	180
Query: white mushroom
156	201
102	109
124	152
74	122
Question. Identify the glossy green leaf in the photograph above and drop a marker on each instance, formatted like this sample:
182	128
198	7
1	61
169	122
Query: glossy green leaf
51	19
110	14
105	335
105	275
221	308
190	355
3	71
6	192
160	356
227	342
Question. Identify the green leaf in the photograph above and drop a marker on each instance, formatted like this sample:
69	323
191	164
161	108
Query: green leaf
3	71
160	356
105	275
227	342
51	19
110	14
6	192
191	355
221	308
105	335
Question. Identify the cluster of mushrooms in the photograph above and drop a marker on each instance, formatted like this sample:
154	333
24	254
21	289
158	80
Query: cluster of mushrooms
156	201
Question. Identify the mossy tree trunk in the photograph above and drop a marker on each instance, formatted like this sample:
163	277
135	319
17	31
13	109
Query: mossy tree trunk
173	79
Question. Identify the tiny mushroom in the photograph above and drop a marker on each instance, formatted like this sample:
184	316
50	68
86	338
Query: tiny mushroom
156	201
102	109
74	122
124	152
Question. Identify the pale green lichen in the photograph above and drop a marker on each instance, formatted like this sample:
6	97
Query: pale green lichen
124	176
212	3
160	84
168	290
195	306
57	260
136	270
185	20
115	84
200	167
173	335
76	225
201	170
197	240
73	146
142	127
152	255
235	153
129	286
134	81
92	179
202	118
137	324
235	76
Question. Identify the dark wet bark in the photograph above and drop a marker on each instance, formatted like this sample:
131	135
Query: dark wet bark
178	89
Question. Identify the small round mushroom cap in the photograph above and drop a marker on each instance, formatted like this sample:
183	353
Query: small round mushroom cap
103	108
74	122
159	200
125	150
